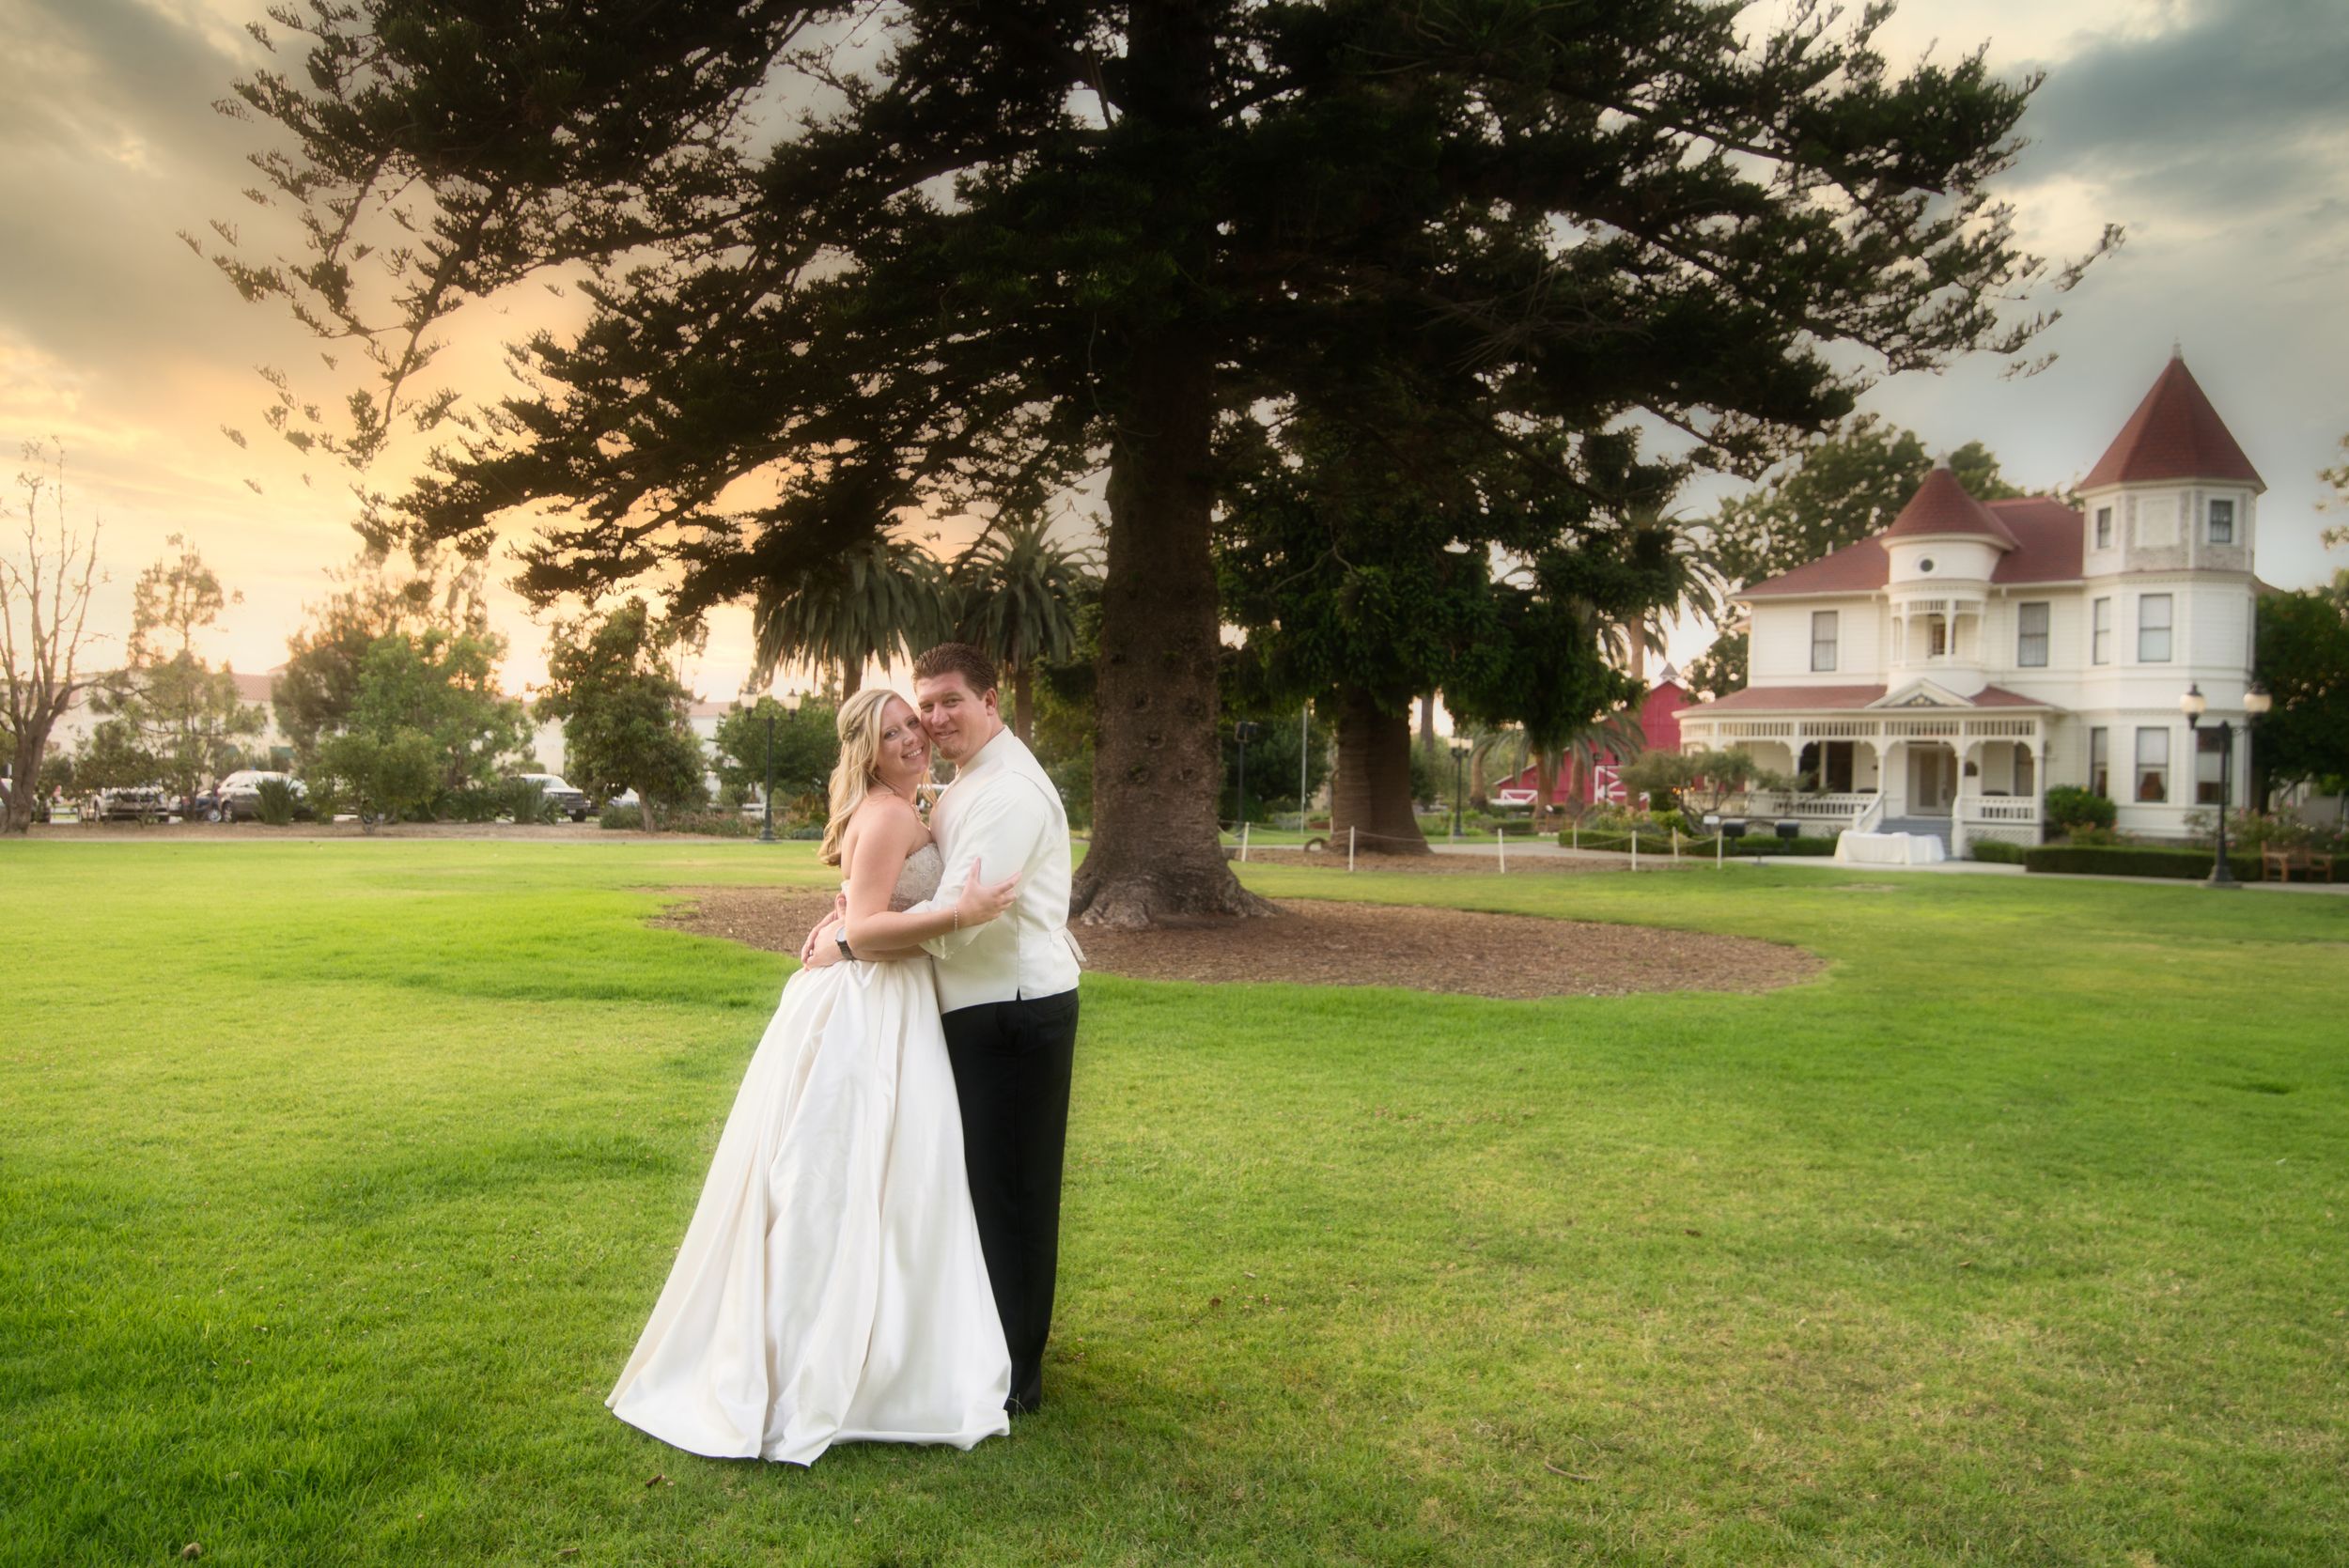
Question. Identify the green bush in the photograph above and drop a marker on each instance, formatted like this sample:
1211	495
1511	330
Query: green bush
471	804
525	800
2133	859
710	824
1996	851
621	818
2068	806
274	801
1770	844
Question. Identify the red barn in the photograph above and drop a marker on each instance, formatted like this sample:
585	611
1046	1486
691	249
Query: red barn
1658	723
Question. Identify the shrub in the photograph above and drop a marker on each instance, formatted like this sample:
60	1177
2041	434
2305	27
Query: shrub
710	824
1770	844
622	818
2070	807
471	804
1997	851
525	800
274	801
2133	859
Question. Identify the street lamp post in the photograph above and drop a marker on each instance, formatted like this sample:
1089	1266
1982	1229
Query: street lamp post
1244	732
767	829
2194	706
1459	767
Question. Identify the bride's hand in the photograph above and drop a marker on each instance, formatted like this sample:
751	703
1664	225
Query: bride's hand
983	901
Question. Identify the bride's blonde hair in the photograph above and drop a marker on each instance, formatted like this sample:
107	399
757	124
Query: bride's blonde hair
859	728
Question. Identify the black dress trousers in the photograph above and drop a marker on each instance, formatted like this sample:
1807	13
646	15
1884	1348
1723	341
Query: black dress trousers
1012	1062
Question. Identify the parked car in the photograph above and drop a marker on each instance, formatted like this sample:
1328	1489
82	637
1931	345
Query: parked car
202	806
131	803
562	796
239	798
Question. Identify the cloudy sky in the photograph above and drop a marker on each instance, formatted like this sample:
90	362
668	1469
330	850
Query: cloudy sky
2216	130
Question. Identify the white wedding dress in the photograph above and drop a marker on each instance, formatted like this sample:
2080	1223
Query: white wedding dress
830	1287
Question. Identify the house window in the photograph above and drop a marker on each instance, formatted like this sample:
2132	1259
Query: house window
1828	764
1822	625
2030	638
2153	628
2152	766
2210	761
2222	523
2100	639
1938	635
2103	528
2100	762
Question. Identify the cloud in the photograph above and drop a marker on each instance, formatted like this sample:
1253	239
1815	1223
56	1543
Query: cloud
2236	108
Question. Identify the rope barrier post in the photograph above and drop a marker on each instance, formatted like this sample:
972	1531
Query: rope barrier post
1634	846
1720	839
1349	846
1675	844
1577	835
1502	834
1243	843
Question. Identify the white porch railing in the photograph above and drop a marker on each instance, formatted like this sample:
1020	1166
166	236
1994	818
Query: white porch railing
1843	808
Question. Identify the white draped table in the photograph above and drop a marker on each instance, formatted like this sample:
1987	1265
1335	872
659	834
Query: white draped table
1888	849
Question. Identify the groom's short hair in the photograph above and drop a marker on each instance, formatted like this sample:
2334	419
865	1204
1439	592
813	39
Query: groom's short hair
957	659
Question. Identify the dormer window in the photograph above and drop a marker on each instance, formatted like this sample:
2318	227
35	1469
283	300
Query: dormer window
1824	626
2103	528
2221	523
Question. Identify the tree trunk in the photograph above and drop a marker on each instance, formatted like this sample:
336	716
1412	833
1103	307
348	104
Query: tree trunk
1477	786
1545	785
1155	851
22	787
852	680
1023	704
1427	724
1372	793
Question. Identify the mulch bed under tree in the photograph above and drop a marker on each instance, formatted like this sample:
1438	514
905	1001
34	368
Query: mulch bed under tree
1319	943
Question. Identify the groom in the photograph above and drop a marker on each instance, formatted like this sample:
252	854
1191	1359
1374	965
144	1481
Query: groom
1008	991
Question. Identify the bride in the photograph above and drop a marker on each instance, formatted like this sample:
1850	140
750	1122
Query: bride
830	1287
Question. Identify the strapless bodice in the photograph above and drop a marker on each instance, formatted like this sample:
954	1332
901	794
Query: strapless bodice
923	870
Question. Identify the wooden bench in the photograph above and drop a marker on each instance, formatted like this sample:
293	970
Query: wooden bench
2284	862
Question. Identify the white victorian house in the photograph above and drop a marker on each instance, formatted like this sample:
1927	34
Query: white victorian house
1940	677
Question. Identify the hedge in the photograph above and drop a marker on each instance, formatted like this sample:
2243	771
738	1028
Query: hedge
2133	859
1651	842
1997	851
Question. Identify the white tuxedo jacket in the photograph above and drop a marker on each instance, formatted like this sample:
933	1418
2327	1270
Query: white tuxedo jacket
1002	815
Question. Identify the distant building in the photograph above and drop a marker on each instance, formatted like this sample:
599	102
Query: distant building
1659	730
1939	676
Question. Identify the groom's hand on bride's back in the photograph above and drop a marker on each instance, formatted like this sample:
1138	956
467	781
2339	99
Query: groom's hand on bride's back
981	900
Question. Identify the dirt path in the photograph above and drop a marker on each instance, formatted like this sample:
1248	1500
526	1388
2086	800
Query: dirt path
1317	943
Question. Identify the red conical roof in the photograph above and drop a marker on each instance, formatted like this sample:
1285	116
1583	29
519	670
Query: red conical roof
2174	434
1942	506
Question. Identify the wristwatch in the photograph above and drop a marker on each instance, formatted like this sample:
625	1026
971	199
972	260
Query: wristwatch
840	935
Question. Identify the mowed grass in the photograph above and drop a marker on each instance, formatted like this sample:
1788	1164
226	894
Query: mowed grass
337	1181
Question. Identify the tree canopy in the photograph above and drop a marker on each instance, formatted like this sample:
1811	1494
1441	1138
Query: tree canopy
623	709
1836	492
997	248
2303	659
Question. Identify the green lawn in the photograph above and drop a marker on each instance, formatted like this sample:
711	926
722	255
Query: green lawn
339	1179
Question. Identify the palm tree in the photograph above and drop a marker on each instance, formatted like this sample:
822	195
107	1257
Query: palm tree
1018	593
875	601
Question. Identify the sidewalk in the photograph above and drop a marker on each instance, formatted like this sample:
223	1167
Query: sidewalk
1542	849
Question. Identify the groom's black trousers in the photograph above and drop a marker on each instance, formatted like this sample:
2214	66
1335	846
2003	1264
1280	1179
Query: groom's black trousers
1011	1062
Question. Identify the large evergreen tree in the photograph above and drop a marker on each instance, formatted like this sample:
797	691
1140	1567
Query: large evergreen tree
1005	246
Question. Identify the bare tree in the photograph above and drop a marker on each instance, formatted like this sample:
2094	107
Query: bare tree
44	613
